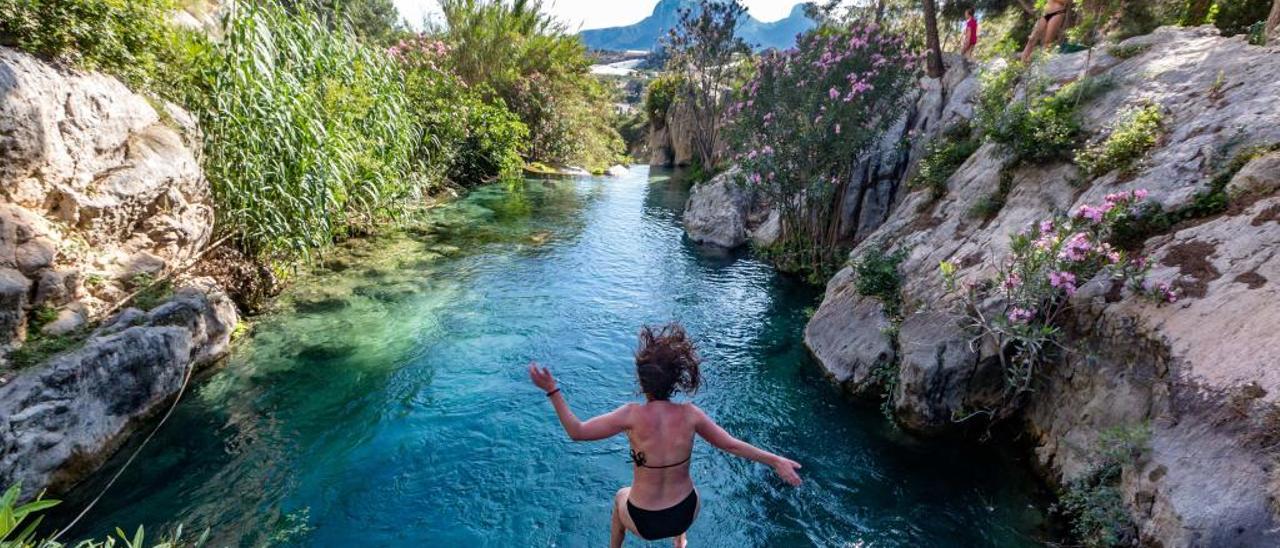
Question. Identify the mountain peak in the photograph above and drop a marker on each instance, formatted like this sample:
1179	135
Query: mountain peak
645	34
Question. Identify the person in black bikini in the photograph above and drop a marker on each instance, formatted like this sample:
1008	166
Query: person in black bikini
1047	27
661	501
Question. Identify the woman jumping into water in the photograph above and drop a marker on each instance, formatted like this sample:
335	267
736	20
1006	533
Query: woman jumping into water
661	501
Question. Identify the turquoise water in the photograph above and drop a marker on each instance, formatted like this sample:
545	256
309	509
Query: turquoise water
384	402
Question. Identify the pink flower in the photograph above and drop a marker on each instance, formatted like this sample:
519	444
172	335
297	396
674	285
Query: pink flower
1089	212
1077	248
1012	281
1020	315
1046	227
1140	194
833	93
1065	281
837	129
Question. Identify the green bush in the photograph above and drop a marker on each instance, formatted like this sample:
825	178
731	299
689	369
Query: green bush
130	39
1038	128
19	523
943	156
309	135
877	276
1137	132
1128	51
491	148
1093	502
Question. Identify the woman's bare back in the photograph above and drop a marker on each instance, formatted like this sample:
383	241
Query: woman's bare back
661	435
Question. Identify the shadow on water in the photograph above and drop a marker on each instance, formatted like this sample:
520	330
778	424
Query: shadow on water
383	401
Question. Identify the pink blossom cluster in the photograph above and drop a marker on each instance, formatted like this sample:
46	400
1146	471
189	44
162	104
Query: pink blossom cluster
420	49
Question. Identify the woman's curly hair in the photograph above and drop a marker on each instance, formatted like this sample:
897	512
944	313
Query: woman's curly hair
667	362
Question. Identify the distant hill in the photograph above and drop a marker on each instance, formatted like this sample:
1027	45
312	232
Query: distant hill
645	34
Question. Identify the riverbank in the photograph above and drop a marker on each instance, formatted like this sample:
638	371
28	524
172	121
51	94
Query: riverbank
1131	416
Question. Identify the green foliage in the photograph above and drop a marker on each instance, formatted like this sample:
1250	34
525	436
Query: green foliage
1094	502
517	53
705	49
876	274
1137	132
40	347
151	292
1234	17
308	133
659	96
1128	51
373	21
491	148
942	157
18	524
130	39
1039	127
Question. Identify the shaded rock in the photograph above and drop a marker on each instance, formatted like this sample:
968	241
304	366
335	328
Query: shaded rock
940	377
1260	177
57	287
849	335
60	421
143	263
68	321
124	319
35	255
14	288
769	231
618	171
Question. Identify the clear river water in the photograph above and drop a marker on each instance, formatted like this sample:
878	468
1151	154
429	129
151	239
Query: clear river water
384	399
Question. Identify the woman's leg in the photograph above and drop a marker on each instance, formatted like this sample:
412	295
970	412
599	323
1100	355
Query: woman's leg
1051	29
621	522
1034	40
683	540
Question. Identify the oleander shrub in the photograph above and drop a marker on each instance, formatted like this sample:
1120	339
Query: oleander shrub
1020	309
1137	132
802	121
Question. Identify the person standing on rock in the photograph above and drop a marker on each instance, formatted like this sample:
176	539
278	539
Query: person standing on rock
1047	27
970	39
661	501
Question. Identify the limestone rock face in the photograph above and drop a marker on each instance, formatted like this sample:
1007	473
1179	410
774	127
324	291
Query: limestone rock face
59	422
1201	373
850	358
671	142
93	184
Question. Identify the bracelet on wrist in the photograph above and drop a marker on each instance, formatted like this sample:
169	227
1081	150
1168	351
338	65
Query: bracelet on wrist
553	392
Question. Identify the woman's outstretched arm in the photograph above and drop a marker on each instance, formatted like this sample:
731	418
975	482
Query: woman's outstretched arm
724	441
606	425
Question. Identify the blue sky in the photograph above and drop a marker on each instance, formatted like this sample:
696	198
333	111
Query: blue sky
591	14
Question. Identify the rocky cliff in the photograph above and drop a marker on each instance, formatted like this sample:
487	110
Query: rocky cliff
101	194
1200	373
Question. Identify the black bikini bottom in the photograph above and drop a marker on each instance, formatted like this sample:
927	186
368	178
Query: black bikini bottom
1049	16
667	523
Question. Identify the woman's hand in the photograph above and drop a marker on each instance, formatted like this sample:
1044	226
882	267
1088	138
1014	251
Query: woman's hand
786	468
541	377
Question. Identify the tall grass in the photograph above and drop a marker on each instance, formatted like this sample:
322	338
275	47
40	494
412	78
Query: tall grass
309	134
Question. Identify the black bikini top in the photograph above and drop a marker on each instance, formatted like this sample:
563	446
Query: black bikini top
638	459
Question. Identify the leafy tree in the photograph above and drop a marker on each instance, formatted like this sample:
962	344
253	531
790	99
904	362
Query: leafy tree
703	49
373	21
